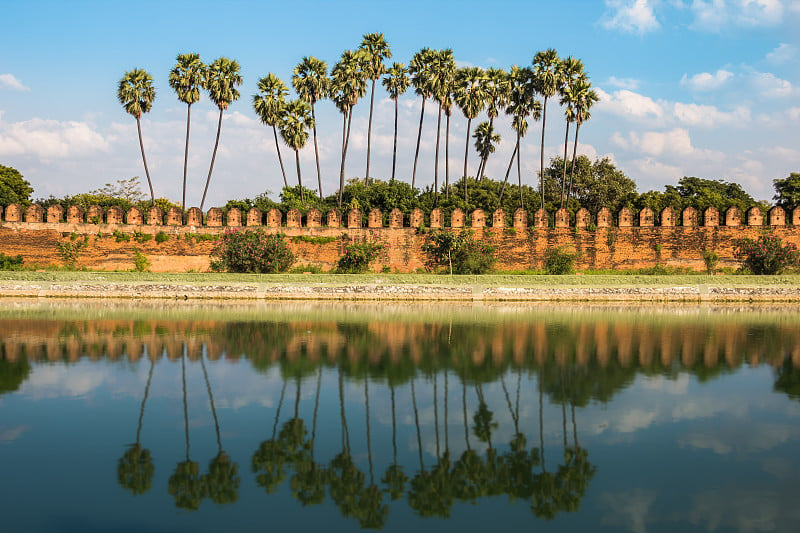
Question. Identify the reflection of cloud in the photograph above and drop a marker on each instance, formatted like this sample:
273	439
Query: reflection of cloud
738	437
628	509
635	419
8	436
745	510
676	386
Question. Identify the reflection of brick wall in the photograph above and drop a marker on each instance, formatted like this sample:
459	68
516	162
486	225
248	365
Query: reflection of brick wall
603	241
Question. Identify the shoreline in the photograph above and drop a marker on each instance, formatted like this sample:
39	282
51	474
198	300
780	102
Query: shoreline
378	291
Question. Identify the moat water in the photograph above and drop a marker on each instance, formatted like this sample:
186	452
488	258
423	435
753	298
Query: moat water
161	416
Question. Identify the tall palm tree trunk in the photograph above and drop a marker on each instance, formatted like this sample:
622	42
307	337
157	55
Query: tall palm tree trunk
564	172
466	157
394	147
519	172
447	156
541	149
341	173
574	155
436	159
299	176
186	154
213	157
508	170
369	133
280	159
316	152
419	138
144	159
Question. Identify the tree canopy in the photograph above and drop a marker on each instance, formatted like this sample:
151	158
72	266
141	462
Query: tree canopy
14	189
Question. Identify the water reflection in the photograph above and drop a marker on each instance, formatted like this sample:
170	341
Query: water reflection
476	396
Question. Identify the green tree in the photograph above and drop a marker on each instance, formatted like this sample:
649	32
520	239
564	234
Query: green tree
582	97
571	70
420	71
521	105
548	80
496	85
442	71
485	143
470	97
310	80
376	50
269	105
597	184
294	127
348	84
136	94
186	79
787	191
14	189
396	83
222	78
458	252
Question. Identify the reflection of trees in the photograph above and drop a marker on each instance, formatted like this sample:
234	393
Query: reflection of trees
788	380
135	468
13	373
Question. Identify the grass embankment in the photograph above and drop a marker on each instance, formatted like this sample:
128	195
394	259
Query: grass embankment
497	280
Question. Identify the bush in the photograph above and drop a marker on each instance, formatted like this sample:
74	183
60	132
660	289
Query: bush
559	261
71	250
766	255
252	251
711	259
459	253
161	237
140	261
357	257
10	262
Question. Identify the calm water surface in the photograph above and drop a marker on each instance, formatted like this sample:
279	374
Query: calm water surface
341	417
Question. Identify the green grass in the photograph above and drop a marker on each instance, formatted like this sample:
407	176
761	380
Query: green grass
499	280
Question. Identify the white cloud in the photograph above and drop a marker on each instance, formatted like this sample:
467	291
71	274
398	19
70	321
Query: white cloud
706	81
623	83
629	104
709	116
50	139
716	15
631	16
782	54
675	142
770	86
9	81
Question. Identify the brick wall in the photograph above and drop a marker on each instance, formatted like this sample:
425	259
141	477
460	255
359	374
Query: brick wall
628	242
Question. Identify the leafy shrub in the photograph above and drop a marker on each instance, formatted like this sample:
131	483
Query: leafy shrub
559	261
766	255
358	256
10	262
140	261
161	237
71	250
121	237
459	253
711	259
252	251
141	237
313	240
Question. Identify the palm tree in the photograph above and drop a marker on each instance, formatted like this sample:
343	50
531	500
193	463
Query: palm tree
583	97
294	129
186	79
222	78
396	83
310	80
496	85
269	104
485	141
571	70
521	105
420	70
376	49
348	84
442	70
470	97
546	70
136	94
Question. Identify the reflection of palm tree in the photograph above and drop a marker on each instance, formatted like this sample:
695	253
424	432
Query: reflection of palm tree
483	419
186	484
135	468
394	478
268	460
788	380
222	479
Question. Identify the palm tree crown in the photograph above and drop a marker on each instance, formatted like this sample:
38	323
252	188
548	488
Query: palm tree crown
187	77
396	81
310	79
295	123
136	92
222	78
376	49
271	99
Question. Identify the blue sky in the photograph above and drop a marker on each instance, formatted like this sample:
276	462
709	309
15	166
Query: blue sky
707	88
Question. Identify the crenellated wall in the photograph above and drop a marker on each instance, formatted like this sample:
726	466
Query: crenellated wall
603	240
